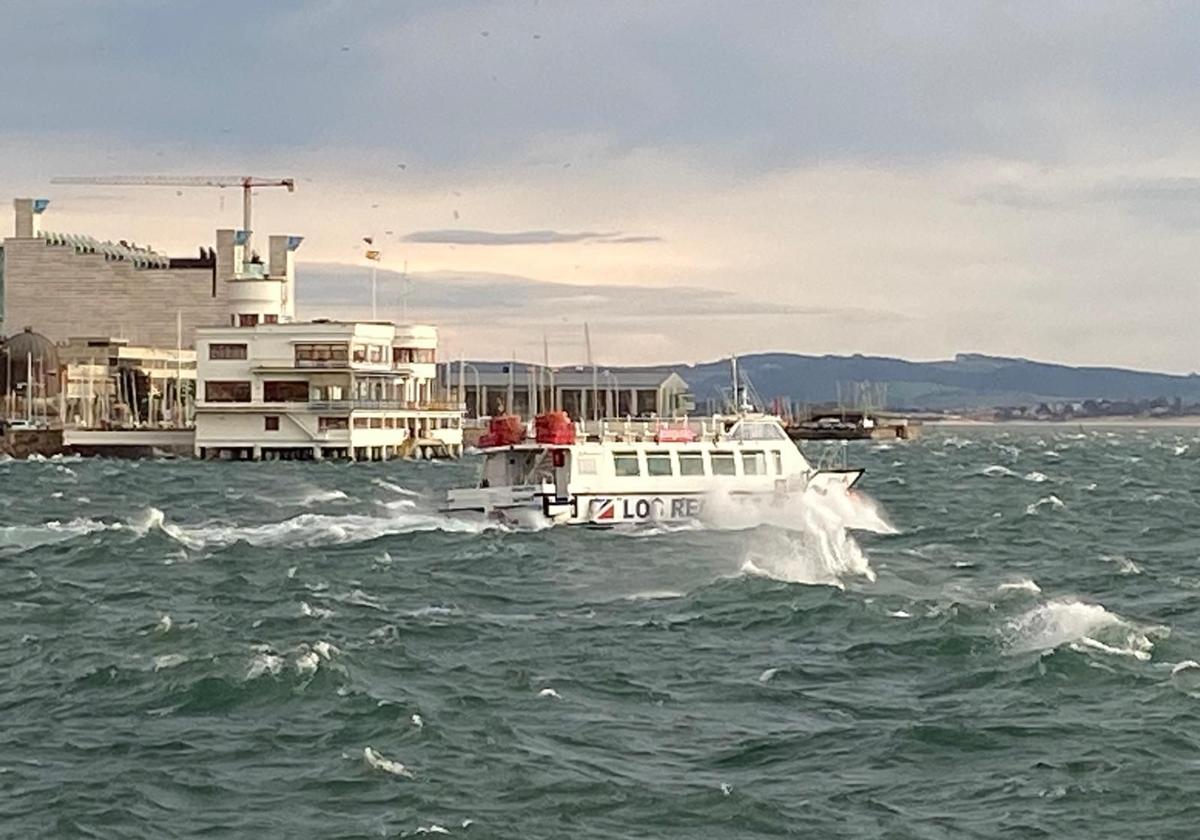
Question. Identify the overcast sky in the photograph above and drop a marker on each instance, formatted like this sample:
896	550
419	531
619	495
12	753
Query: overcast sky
692	178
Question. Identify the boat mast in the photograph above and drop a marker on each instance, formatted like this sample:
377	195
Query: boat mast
587	339
737	402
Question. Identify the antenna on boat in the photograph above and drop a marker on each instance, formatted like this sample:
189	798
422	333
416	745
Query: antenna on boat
587	338
737	402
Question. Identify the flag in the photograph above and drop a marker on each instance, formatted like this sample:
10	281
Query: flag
370	240
373	255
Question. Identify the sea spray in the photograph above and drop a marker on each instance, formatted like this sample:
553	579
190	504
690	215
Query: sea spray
809	539
1066	621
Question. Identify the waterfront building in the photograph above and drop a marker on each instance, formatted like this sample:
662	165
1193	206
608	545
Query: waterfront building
109	383
492	388
70	284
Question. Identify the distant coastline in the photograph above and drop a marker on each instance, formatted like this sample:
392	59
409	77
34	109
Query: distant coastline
1087	422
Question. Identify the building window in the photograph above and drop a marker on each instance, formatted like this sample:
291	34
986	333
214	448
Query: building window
658	463
778	458
247	320
227	391
271	423
326	424
361	423
413	355
270	319
227	351
691	463
376	422
587	465
321	355
285	391
754	463
625	464
375	353
723	463
360	353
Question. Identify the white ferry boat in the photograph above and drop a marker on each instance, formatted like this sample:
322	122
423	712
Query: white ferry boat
630	472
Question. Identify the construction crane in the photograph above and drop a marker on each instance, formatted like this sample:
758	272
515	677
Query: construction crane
247	182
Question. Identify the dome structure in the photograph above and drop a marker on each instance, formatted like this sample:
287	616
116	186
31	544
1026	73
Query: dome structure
29	349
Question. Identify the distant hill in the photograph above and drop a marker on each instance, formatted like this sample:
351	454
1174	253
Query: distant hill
968	381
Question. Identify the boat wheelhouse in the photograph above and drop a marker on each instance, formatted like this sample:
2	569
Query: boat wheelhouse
645	472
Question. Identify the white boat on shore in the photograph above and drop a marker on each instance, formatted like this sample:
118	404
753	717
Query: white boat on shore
625	472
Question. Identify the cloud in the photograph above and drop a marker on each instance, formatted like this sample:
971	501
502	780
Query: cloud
524	237
512	296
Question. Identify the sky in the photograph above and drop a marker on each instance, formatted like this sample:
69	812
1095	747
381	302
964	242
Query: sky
690	179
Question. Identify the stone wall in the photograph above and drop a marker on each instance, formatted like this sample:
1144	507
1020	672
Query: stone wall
21	443
63	294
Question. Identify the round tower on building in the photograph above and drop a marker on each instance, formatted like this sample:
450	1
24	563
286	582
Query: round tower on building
259	293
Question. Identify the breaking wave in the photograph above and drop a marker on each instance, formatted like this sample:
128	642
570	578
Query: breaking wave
1079	626
304	530
25	537
810	539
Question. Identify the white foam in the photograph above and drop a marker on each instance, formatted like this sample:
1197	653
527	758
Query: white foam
1052	501
551	693
169	660
1125	565
1023	585
1181	449
264	663
417	721
813	543
1036	477
358	598
998	471
325	650
395	488
1185	676
654	595
768	675
432	829
900	614
378	762
164	624
24	537
314	612
1070	622
726	788
307	661
318	496
310	529
291	572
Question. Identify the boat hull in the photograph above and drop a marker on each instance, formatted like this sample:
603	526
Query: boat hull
539	504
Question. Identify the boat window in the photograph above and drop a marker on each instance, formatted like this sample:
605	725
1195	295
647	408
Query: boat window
625	464
658	463
587	465
723	463
691	463
758	430
778	458
754	463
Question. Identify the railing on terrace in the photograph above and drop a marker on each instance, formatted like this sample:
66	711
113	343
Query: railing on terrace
338	405
383	405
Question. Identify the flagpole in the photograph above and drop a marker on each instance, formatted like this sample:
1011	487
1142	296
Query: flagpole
374	286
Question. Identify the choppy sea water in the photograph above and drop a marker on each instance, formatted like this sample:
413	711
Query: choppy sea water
311	650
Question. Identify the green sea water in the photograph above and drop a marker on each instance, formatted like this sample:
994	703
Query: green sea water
312	650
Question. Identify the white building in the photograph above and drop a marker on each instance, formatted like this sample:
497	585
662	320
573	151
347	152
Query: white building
365	391
270	387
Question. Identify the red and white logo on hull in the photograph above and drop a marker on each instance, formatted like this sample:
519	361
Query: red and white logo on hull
604	509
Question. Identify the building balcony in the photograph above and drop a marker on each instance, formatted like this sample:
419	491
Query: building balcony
332	406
